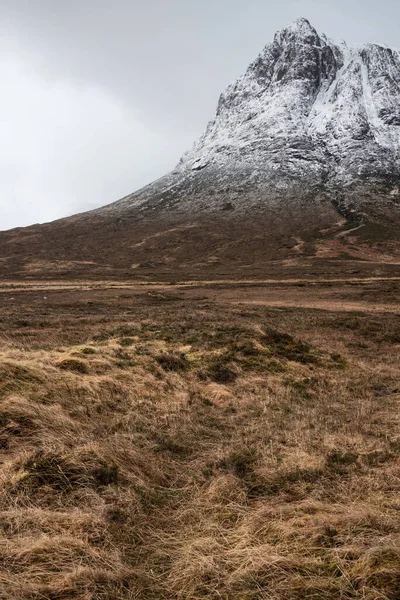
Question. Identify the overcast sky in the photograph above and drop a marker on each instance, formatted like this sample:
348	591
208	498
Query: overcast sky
100	97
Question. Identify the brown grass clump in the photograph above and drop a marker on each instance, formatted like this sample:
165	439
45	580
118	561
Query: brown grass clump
195	453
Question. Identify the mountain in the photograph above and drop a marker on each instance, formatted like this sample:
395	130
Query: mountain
301	161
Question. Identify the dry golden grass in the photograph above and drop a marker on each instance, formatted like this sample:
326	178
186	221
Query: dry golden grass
163	448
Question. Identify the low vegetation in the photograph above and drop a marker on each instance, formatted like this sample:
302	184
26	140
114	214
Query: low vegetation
193	450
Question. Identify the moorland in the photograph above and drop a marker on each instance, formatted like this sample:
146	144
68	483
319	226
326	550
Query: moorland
219	440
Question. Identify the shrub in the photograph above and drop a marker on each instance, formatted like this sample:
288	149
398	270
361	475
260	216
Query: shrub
88	351
126	341
73	364
221	372
54	471
106	474
283	345
338	459
173	362
339	361
239	462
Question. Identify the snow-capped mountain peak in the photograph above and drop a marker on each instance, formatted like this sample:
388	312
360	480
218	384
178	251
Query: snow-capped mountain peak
309	119
307	107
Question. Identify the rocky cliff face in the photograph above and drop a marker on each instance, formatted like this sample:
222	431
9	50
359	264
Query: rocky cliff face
308	118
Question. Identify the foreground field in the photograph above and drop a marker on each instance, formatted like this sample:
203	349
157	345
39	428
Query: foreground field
233	442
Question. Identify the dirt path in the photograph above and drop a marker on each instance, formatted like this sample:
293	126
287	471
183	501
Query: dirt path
369	295
18	286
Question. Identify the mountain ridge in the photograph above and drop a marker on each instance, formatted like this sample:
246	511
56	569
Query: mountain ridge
306	103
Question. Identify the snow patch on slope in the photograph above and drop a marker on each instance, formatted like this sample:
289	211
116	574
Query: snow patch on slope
372	113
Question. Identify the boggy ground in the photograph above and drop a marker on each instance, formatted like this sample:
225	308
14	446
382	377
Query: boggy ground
220	442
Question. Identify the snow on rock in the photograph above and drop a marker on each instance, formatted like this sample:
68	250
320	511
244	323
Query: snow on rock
308	117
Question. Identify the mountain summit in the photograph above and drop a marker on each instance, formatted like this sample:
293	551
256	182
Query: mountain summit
306	141
307	118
